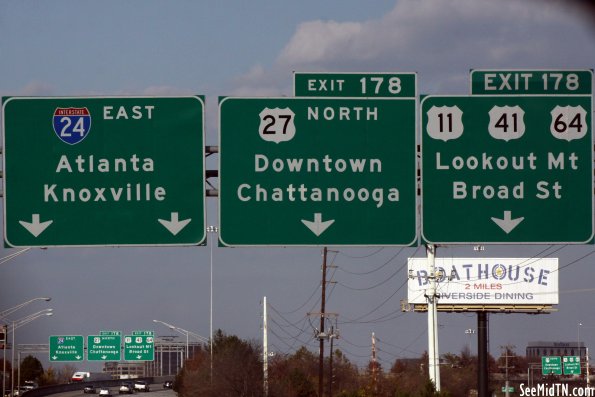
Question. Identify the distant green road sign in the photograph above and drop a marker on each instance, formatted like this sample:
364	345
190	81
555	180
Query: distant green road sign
531	82
571	365
66	348
140	346
104	347
317	171
103	171
355	85
551	365
507	169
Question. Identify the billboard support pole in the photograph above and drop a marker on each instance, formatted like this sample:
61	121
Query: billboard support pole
482	353
433	352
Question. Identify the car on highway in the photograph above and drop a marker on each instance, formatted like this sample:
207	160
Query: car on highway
126	388
105	392
168	384
89	389
19	391
30	385
141	385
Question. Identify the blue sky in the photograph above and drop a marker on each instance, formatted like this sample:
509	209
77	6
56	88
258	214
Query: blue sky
222	48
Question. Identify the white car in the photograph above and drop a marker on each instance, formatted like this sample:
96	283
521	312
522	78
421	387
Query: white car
126	388
141	385
105	392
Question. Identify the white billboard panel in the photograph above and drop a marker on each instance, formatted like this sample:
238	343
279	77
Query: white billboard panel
486	281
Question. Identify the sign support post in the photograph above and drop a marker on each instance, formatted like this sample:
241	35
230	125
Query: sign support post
432	297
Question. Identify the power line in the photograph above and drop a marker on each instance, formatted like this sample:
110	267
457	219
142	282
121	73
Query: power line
374	270
361	257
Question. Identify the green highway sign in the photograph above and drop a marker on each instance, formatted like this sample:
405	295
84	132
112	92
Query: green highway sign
355	85
104	347
103	171
140	346
531	82
66	348
317	171
551	365
571	365
507	169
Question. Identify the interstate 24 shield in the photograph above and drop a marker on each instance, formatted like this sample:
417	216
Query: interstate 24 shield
72	125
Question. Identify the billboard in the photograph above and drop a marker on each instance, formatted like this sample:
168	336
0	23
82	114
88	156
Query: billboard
486	281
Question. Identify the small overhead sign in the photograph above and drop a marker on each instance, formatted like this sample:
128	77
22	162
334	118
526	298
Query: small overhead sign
66	348
140	346
531	82
551	365
104	347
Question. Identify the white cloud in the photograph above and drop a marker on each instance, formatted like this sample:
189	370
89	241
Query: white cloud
37	88
259	81
439	39
316	41
166	90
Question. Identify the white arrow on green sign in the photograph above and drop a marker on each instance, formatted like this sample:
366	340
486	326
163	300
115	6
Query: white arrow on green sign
103	171
507	169
66	348
317	171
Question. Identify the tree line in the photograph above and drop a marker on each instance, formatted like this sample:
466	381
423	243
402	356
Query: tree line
235	369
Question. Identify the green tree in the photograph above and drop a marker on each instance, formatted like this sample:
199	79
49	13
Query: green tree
31	369
346	376
407	376
49	377
236	370
294	375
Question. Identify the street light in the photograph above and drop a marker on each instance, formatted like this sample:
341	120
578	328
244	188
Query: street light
184	332
18	323
177	330
13	255
578	340
8	312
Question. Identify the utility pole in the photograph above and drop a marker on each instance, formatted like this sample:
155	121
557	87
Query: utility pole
507	350
374	366
320	337
587	369
330	379
265	348
320	333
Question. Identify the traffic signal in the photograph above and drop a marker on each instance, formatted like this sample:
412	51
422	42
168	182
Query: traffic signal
3	337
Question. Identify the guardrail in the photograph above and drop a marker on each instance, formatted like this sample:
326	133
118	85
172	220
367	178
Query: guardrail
48	390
